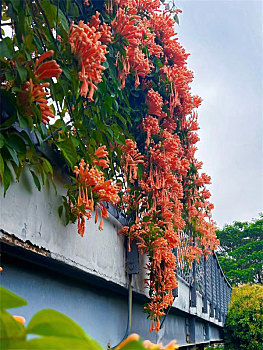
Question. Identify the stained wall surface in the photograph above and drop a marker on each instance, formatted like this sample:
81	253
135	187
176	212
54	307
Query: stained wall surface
29	218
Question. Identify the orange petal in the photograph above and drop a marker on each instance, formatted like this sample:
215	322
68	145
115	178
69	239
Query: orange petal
43	57
20	319
131	337
96	216
101	223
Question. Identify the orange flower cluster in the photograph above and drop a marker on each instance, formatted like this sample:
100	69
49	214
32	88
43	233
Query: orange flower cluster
163	26
129	27
103	28
168	187
46	69
124	24
139	63
35	92
131	157
155	229
168	196
148	39
93	190
154	102
85	41
151	126
139	5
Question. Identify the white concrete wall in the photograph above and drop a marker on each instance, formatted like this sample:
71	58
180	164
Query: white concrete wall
32	216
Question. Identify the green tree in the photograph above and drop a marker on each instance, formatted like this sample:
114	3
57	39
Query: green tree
241	253
244	321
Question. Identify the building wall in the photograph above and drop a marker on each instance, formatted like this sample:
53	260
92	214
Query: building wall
30	219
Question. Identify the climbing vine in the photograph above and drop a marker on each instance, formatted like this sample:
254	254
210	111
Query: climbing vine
105	86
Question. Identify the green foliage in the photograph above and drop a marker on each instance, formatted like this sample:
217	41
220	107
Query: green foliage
53	330
241	256
10	300
244	321
102	122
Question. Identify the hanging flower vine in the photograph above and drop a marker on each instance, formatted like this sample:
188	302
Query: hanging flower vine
116	105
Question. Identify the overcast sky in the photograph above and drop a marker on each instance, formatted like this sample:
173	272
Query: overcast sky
225	41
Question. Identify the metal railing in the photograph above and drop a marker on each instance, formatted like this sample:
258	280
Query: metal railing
207	278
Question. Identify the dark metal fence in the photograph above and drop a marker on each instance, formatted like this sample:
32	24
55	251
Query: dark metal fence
207	278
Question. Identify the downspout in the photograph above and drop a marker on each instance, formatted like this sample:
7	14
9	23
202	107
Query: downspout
132	267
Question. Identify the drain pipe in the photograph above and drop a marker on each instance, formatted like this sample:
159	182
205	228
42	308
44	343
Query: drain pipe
129	318
132	266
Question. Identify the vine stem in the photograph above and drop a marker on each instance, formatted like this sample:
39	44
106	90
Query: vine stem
56	131
47	23
71	115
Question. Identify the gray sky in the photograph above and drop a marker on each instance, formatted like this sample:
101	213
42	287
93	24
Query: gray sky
225	41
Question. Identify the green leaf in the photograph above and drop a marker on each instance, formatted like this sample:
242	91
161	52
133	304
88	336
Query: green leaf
6	48
28	42
7	178
120	138
9	76
21	71
2	140
176	18
36	180
10	300
44	127
115	104
8	104
140	170
18	170
69	152
50	11
120	117
49	322
63	20
42	173
11	331
60	210
13	155
10	121
16	142
67	72
57	343
39	137
2	167
47	166
37	42
54	186
16	5
27	138
22	121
